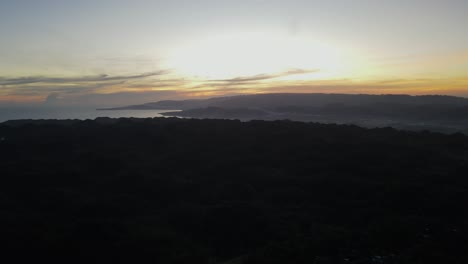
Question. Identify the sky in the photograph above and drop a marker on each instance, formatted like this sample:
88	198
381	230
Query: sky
78	52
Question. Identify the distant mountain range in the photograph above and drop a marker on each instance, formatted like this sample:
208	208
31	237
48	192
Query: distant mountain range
300	100
433	112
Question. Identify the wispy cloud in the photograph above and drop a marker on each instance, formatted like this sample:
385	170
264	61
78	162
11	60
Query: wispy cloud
263	77
449	86
70	89
81	79
164	84
62	89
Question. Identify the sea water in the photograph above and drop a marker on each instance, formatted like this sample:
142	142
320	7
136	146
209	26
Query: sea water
16	113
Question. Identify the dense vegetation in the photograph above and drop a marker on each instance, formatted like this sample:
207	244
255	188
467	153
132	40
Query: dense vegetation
210	191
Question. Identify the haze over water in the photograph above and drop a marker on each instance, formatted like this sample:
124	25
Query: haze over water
15	113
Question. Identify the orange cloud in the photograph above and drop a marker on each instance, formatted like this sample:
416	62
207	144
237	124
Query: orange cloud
265	83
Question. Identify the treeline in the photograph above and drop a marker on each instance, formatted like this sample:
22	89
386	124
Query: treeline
169	190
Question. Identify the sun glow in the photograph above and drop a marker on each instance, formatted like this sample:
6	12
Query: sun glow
234	55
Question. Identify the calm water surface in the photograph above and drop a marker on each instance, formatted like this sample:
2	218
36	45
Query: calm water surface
14	113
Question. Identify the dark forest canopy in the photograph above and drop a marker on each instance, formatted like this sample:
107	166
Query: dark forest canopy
170	190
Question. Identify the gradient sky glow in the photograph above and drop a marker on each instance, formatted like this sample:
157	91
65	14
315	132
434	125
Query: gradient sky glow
63	49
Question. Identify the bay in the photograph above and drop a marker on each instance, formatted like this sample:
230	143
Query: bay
18	113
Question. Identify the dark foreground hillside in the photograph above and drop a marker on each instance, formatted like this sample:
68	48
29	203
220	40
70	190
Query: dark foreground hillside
214	191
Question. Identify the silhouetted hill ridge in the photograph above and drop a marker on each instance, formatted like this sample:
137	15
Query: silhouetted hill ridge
307	99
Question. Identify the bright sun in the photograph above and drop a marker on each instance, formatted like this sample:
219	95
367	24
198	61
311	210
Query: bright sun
235	55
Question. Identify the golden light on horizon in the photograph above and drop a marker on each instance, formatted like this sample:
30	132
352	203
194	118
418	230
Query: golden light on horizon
248	54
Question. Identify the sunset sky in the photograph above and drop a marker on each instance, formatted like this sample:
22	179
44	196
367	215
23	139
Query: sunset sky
71	51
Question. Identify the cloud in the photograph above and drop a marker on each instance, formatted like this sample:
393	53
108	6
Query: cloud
259	77
405	81
262	77
451	86
53	89
157	84
140	88
45	89
53	98
246	82
83	79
